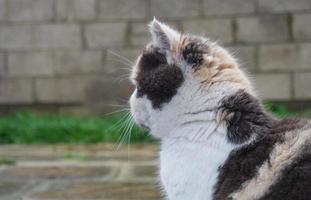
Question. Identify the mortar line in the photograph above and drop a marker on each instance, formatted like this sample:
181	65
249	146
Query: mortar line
6	63
54	8
83	37
292	86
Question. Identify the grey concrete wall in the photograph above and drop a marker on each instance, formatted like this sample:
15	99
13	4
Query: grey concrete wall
55	53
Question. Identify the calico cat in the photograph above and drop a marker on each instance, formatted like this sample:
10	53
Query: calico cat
217	140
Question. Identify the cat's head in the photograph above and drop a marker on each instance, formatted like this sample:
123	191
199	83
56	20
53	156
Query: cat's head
181	79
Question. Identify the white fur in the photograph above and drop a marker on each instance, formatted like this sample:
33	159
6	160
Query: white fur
189	170
194	143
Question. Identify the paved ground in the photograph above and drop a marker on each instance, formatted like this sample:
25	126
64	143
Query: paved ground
72	172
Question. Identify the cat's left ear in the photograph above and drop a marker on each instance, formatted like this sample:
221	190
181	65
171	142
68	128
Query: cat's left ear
163	36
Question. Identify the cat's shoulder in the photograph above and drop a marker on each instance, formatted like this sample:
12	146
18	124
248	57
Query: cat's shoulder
270	167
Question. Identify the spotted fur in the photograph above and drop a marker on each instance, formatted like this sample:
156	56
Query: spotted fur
248	119
194	51
217	140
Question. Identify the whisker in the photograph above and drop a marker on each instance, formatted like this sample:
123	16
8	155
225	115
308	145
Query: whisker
124	133
116	105
122	57
127	69
129	139
123	79
122	76
125	75
122	122
117	111
124	100
128	130
122	62
118	123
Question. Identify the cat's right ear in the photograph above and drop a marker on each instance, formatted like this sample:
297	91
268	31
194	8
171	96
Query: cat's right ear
163	36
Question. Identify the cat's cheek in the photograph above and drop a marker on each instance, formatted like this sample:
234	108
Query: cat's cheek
139	110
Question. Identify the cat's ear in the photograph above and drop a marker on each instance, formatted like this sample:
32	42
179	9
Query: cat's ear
163	36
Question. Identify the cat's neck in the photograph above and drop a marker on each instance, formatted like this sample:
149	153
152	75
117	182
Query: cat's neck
189	164
210	133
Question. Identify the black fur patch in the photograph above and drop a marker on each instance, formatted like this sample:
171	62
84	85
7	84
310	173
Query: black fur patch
247	117
242	164
295	181
151	59
194	51
158	80
288	124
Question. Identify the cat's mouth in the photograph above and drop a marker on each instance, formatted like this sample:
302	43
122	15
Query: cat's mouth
144	126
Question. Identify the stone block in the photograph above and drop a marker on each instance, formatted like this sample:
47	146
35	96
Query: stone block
15	37
283	5
123	9
141	28
119	62
263	29
61	90
285	57
273	86
99	190
145	171
15	91
225	7
55	172
3	10
216	29
105	89
2	65
105	35
78	62
140	41
302	86
174	8
246	56
302	26
30	64
51	36
30	10
83	89
75	9
9	187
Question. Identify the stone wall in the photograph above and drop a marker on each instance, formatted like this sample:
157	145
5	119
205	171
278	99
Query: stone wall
59	54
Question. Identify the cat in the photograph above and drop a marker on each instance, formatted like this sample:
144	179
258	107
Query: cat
217	140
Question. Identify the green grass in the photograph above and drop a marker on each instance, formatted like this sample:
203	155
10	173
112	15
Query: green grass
279	110
31	128
7	162
75	156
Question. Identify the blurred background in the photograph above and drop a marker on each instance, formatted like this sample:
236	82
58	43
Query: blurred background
64	67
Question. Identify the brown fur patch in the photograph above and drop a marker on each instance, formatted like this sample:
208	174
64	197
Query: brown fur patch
218	67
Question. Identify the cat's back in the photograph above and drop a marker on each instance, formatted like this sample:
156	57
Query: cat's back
276	167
